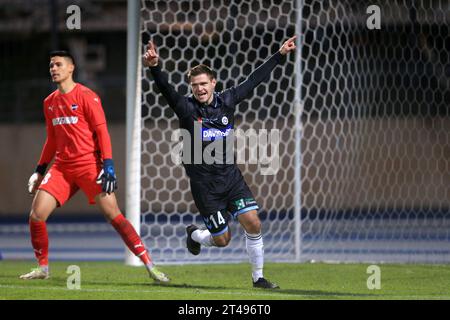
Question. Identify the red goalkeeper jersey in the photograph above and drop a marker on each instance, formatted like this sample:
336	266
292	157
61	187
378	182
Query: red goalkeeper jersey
76	127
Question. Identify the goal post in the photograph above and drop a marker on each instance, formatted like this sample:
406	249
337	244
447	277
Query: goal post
298	132
361	114
133	125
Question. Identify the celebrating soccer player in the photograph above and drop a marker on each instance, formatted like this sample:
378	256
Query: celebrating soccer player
217	188
78	139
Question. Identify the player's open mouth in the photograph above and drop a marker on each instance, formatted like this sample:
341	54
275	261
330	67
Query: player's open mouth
202	95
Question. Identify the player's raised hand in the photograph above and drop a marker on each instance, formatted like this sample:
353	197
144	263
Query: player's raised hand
151	57
34	182
288	46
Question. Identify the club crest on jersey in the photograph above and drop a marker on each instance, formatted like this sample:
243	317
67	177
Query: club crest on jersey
224	120
74	107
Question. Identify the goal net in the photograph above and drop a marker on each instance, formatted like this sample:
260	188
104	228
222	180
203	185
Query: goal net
361	114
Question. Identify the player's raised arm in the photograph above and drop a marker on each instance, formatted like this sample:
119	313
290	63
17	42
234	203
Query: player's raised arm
174	99
288	46
262	73
151	57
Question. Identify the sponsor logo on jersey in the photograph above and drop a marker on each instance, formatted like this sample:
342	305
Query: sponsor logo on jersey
64	120
239	204
244	202
74	107
211	134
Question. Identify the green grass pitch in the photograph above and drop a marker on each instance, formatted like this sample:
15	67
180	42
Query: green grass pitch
114	280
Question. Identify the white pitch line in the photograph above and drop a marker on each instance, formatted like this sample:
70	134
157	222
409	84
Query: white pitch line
221	292
196	291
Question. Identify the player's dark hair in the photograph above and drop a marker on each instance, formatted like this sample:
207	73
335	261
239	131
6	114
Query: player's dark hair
62	53
201	69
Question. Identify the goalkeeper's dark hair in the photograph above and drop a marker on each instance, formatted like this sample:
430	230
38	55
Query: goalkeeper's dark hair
62	53
201	69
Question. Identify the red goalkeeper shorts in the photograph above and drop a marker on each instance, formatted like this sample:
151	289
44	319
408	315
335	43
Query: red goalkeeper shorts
62	181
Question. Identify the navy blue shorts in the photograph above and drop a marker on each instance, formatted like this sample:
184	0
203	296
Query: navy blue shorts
221	196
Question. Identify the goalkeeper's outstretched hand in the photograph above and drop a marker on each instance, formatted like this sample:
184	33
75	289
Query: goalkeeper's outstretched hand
151	57
107	177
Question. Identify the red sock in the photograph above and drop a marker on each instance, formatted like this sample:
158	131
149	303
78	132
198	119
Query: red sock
39	240
131	238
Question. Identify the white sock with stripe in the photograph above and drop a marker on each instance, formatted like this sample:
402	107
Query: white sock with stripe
203	237
255	250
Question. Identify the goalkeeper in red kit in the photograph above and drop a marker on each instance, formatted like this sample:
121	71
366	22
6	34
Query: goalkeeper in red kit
79	142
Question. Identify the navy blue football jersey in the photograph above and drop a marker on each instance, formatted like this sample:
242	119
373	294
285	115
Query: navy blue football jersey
211	125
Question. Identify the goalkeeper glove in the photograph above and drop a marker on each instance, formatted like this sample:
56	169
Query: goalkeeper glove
107	177
36	178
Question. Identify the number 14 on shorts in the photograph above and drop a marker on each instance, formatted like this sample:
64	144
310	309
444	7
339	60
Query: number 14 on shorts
215	220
